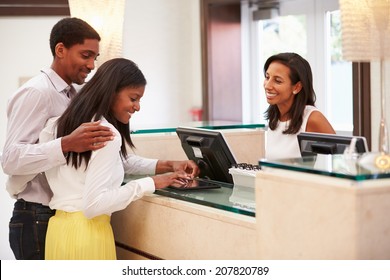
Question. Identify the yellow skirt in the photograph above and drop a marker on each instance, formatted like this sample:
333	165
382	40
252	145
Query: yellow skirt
72	236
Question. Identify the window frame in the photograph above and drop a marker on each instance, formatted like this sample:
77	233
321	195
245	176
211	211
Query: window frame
34	8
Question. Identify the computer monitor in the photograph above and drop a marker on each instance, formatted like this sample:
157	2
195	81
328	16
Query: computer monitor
209	150
311	143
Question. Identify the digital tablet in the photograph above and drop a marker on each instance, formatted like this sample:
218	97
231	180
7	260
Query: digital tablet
197	184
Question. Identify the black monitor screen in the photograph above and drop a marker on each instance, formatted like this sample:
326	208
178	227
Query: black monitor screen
311	143
209	150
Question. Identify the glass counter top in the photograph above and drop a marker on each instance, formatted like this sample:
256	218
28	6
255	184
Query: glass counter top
357	167
199	124
236	199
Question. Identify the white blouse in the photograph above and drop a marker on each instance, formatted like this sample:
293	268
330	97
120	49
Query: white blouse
279	145
97	189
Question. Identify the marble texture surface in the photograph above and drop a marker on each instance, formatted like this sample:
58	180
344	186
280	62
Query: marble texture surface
172	229
307	216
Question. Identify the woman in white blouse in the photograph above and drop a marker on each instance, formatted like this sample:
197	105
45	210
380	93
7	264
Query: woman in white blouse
88	188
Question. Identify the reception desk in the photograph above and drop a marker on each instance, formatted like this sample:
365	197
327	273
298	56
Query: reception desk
323	207
192	225
165	227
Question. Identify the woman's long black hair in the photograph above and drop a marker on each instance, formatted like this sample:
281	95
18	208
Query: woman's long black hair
300	71
95	100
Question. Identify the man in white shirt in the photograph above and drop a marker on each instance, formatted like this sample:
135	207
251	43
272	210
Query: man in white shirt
75	47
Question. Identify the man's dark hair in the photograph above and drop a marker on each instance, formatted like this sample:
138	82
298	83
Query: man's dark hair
71	31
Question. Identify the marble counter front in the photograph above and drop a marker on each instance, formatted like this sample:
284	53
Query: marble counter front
160	227
316	211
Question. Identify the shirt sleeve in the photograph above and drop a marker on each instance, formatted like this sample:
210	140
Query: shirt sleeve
103	193
136	165
22	154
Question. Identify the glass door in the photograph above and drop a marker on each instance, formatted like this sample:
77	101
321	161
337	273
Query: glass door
310	28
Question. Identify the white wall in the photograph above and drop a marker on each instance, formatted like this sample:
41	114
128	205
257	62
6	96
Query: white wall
24	49
161	36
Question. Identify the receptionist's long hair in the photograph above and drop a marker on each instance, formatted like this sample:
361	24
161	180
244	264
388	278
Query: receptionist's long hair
300	71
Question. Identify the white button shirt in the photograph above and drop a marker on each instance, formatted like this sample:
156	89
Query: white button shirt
97	189
23	159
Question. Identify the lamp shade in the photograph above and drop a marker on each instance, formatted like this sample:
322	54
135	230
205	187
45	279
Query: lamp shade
106	17
365	29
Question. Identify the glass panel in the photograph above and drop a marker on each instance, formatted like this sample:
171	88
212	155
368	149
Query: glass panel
339	92
233	198
280	35
239	199
200	124
358	168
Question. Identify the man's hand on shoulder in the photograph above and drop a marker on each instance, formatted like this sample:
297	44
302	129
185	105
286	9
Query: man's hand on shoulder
87	137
